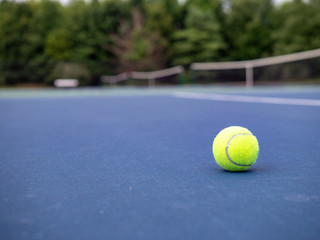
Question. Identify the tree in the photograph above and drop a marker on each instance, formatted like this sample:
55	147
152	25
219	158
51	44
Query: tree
137	49
82	37
47	16
173	9
23	31
249	26
200	40
298	27
15	23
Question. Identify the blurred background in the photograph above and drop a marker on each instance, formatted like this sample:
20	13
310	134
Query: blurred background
44	40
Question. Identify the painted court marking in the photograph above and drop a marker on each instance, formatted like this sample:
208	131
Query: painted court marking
249	99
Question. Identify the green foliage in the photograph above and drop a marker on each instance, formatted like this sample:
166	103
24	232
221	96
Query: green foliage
14	43
299	27
14	39
200	41
173	10
43	39
136	48
249	27
59	44
23	30
159	20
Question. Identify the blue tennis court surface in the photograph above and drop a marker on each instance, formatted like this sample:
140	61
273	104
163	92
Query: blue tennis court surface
128	163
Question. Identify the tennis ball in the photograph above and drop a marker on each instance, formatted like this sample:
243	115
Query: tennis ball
235	149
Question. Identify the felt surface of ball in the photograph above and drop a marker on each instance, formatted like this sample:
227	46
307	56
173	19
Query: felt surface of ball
235	149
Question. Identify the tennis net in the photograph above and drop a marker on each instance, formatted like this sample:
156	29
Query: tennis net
291	67
150	78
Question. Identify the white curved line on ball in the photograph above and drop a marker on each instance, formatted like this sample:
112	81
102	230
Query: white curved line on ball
227	147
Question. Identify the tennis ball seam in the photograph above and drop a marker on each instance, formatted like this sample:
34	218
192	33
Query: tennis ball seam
227	147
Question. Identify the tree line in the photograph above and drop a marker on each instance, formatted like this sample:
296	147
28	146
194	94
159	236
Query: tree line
44	40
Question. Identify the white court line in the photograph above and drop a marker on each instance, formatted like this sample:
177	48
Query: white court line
249	99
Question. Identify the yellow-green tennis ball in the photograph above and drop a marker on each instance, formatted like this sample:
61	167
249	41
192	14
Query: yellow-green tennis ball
235	149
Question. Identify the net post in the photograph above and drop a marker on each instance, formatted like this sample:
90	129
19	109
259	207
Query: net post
152	82
249	74
191	75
